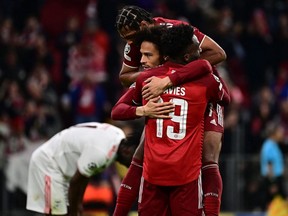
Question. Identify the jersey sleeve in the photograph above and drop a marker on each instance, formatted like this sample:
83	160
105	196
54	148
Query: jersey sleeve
266	158
226	89
169	23
200	36
92	161
132	56
137	95
125	109
216	92
190	71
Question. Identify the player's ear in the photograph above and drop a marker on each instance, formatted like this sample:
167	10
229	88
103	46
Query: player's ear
187	57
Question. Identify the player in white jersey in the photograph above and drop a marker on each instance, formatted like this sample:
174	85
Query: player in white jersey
60	169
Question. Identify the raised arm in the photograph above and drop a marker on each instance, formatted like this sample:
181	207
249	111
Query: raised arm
128	75
211	51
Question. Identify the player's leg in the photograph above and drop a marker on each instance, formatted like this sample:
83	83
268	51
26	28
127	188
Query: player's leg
129	188
36	185
211	177
153	200
212	181
46	186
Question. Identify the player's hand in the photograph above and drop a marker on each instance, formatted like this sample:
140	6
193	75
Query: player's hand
155	86
154	109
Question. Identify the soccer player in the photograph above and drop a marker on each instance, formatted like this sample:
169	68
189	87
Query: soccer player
272	163
172	156
130	20
60	169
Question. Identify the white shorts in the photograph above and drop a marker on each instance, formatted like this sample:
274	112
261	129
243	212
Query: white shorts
47	187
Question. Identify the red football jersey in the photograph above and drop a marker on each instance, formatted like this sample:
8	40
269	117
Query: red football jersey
132	54
125	109
173	147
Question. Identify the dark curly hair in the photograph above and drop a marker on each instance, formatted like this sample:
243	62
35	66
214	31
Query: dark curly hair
153	35
131	16
176	40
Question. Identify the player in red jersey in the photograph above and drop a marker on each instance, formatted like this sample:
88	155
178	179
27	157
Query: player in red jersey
173	146
130	20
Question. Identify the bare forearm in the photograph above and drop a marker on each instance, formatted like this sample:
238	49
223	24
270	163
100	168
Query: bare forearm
75	194
213	57
212	52
75	199
128	78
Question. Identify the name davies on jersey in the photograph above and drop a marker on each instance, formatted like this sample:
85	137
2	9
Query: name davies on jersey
177	90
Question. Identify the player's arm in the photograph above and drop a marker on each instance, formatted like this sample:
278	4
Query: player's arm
225	87
191	71
128	75
126	108
212	51
216	91
130	66
76	191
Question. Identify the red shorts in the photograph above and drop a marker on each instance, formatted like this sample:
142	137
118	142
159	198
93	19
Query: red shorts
213	120
182	200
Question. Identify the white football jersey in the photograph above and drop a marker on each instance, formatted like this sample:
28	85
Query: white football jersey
89	146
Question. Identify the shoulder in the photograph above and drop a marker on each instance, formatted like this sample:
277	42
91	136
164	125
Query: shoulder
268	146
88	124
168	22
152	72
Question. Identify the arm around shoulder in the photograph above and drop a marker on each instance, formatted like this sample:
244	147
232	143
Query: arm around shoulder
128	75
124	109
191	71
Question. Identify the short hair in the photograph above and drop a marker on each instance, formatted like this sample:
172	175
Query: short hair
153	35
131	16
176	40
271	127
128	146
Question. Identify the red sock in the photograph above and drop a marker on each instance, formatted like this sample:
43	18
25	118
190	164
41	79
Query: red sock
212	188
129	188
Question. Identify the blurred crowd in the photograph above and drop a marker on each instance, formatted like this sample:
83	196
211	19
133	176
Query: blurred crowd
60	60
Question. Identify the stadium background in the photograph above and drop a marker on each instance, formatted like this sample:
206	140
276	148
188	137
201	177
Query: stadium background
51	78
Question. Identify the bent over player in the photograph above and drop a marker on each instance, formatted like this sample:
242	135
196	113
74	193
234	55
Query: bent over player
60	169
